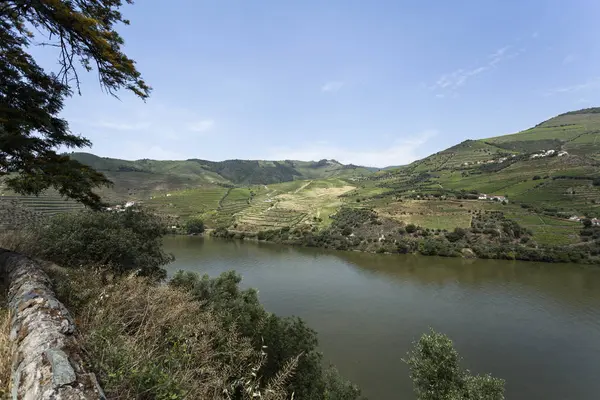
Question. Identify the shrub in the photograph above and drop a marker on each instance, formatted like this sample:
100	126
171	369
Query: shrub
286	338
123	241
411	228
537	177
194	226
139	351
456	235
436	373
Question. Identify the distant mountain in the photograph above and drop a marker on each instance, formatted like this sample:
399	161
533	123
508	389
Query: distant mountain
142	178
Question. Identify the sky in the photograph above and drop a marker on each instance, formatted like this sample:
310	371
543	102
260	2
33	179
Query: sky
373	83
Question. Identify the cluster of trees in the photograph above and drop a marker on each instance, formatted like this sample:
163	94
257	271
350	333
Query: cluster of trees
491	235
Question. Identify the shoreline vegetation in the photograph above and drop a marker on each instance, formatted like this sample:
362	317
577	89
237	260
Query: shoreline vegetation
216	341
491	236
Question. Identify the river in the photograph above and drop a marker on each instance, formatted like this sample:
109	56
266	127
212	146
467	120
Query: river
535	325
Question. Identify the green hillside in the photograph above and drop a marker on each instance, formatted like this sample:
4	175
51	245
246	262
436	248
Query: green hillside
545	175
142	179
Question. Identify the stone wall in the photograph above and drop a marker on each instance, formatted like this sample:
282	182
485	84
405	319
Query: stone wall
47	360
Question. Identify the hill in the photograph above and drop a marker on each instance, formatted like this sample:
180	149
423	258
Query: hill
546	179
538	178
142	179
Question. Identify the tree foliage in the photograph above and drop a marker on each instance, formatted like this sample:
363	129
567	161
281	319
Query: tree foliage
284	338
194	226
123	241
31	99
437	375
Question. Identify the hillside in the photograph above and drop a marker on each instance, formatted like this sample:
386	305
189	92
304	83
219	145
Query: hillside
542	177
141	179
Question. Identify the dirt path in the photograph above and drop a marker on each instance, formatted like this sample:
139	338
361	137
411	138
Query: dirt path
303	187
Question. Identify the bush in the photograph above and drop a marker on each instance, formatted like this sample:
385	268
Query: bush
139	351
122	241
194	226
456	235
411	228
286	338
436	373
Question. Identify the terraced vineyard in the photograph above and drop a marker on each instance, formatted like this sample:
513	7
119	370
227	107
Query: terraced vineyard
235	201
270	218
16	210
188	203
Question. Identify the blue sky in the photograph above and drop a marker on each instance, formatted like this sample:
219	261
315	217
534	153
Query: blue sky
367	82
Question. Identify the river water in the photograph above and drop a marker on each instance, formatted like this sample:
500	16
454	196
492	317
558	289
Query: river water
535	325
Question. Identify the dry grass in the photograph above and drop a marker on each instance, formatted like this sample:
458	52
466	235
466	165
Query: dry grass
5	353
147	341
20	241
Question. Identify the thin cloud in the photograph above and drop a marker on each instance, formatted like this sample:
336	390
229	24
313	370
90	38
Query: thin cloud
535	35
456	79
332	86
151	120
121	126
580	87
398	152
201	126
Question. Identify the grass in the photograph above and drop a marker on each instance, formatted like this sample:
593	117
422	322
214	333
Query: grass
433	214
548	230
137	350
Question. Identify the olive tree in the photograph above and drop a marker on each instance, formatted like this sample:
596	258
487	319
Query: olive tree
437	375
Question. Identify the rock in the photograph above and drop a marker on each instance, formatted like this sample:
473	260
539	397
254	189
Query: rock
468	253
47	360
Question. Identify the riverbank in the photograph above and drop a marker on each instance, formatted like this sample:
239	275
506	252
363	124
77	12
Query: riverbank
491	236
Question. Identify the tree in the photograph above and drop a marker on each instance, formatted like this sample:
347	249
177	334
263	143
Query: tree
31	131
124	241
436	374
194	226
